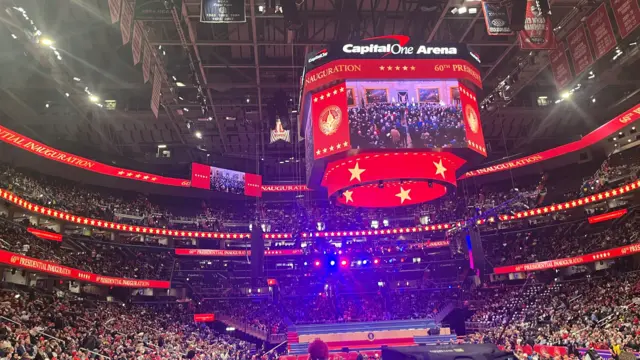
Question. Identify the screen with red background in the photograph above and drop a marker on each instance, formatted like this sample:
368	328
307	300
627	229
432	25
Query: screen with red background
225	180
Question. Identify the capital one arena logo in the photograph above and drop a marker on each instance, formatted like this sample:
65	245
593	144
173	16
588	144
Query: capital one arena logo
330	119
396	45
472	118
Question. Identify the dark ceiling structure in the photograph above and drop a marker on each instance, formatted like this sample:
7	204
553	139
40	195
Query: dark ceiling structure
241	67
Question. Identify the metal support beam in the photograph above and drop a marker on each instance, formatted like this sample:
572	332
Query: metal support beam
432	34
203	74
256	56
279	43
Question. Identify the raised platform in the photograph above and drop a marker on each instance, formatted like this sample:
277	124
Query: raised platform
365	335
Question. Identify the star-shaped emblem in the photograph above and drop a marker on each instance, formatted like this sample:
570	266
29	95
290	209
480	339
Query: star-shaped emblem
397	67
348	196
413	68
382	68
440	169
315	99
335	92
356	172
404	68
403	195
389	67
341	89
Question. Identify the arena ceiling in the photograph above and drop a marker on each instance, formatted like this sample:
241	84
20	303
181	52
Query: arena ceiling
243	65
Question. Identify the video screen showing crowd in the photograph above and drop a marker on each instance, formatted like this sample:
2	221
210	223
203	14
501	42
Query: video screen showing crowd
228	181
405	115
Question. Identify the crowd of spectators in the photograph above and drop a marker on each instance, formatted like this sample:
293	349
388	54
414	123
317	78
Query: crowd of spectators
599	313
44	327
102	259
403	126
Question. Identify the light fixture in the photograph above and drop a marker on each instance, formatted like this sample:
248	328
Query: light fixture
185	109
453	11
180	84
76	79
66	94
565	95
94	99
46	41
46	105
198	134
174	78
14	36
162	146
462	10
593	100
473	10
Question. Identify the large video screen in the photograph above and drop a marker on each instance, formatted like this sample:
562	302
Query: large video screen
225	180
405	114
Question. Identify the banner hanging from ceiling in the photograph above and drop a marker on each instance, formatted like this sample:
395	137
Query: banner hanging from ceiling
136	42
114	10
579	49
279	133
496	19
627	14
223	11
155	91
560	67
126	22
146	62
155	9
538	29
600	31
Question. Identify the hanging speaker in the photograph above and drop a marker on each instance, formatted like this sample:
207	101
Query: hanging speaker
518	13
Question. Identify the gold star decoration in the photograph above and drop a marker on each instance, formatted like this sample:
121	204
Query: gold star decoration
440	169
403	195
348	196
356	172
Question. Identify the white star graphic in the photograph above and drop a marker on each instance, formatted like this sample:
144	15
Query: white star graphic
348	196
321	97
345	143
403	195
328	94
335	92
413	68
331	148
404	68
324	150
356	172
338	146
440	169
397	67
341	89
389	67
315	99
318	152
382	68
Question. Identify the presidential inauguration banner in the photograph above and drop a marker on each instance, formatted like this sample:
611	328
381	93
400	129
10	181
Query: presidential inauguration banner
136	42
538	29
472	124
330	121
496	18
222	11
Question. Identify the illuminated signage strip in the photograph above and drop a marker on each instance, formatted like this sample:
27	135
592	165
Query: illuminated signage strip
235	253
25	262
607	216
597	135
544	210
204	317
113	226
576	260
37	148
46	235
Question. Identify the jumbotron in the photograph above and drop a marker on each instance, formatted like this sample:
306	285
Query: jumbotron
398	49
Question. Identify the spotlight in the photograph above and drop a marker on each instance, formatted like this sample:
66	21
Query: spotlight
343	262
359	262
46	41
565	95
94	99
198	134
462	10
317	263
376	261
305	263
364	262
473	10
332	262
180	84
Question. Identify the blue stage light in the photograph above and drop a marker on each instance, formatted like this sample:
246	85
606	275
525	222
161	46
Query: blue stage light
332	262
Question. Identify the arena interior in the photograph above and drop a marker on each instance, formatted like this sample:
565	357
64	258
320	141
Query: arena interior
311	179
